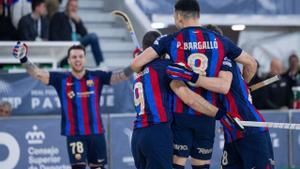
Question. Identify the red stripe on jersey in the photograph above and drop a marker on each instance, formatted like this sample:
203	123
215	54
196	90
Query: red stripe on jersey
218	67
157	95
85	109
179	75
69	93
180	50
97	102
200	38
144	119
180	58
220	56
232	105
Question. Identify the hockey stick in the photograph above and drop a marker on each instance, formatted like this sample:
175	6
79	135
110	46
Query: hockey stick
290	126
129	26
264	83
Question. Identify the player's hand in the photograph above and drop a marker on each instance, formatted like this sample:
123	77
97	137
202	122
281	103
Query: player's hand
136	52
235	121
180	72
20	51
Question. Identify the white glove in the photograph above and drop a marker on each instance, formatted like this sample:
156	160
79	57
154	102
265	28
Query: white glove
20	51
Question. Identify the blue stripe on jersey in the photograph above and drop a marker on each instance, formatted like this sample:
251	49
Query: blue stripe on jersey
245	95
79	109
65	105
173	50
213	65
92	100
150	98
192	38
228	136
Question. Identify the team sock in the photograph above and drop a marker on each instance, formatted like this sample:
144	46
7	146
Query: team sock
176	166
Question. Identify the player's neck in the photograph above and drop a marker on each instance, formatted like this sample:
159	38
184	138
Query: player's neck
191	23
77	74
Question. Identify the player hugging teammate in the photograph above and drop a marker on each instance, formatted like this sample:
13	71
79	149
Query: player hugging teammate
207	61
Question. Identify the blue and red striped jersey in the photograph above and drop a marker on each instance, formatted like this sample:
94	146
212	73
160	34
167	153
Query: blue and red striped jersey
152	95
80	101
238	103
203	51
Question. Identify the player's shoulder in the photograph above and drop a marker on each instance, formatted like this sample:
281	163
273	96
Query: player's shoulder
95	72
61	74
159	63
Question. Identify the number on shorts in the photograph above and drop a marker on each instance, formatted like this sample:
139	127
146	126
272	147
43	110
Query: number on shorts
225	158
139	99
77	147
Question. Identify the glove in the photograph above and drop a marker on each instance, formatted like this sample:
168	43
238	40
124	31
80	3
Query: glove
235	121
20	52
136	52
179	72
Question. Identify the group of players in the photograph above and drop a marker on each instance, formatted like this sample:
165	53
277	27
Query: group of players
177	100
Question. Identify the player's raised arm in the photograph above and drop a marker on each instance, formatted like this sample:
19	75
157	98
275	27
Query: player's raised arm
249	65
121	75
142	59
20	51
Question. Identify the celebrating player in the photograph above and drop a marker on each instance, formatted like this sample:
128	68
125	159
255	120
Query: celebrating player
247	148
152	96
203	51
79	92
153	104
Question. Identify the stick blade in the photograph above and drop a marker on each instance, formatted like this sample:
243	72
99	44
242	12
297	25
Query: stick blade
120	14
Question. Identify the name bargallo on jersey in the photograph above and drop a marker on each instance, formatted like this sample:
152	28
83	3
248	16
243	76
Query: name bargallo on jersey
198	45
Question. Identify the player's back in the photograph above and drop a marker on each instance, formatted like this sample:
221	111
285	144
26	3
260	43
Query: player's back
152	94
239	103
200	49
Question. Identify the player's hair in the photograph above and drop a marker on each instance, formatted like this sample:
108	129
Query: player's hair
214	28
80	47
36	3
149	38
188	8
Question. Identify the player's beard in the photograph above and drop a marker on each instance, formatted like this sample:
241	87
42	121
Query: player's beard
77	70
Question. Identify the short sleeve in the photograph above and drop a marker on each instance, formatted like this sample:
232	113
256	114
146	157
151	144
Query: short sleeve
226	65
104	76
232	50
55	78
161	44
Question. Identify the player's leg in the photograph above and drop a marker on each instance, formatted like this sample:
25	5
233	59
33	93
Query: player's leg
76	146
96	152
158	146
182	141
231	158
203	141
256	151
136	143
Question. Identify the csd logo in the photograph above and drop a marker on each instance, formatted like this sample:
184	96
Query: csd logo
13	147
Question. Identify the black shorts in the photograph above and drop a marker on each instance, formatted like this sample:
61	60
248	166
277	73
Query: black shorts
90	149
193	136
152	147
252	151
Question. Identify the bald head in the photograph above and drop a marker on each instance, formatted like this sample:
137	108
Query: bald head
276	67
